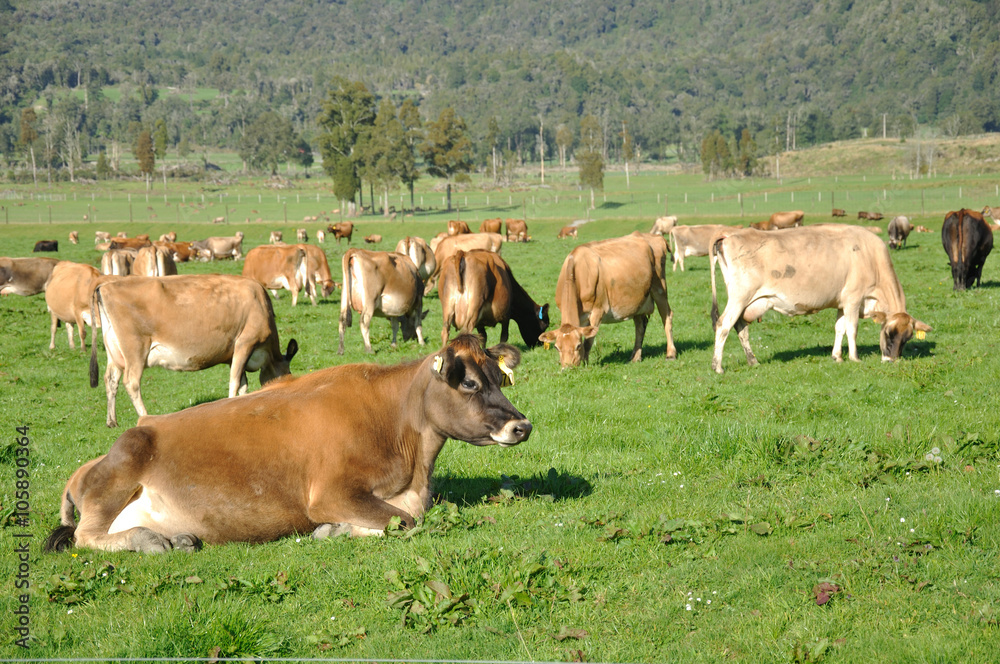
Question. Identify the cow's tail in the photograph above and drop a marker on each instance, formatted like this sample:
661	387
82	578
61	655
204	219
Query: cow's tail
95	313
713	252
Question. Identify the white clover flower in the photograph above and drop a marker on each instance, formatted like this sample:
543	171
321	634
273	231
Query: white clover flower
902	520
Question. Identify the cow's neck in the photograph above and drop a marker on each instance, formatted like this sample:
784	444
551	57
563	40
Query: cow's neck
524	312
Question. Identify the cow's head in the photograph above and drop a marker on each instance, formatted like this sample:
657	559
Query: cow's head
897	329
463	400
328	287
572	343
279	366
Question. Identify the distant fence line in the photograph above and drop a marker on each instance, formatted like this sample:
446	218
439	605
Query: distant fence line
33	207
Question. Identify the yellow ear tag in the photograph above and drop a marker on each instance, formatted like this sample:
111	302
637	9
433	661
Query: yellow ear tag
920	334
545	345
508	375
438	361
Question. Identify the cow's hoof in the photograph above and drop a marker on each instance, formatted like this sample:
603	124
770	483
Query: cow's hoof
186	542
148	541
325	530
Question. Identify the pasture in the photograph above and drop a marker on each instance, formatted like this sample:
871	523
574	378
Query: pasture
786	512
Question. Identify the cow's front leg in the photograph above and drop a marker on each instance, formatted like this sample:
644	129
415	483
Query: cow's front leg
356	515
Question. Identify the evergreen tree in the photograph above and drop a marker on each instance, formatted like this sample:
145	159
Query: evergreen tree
748	154
145	155
103	168
588	156
413	128
270	140
348	113
448	150
29	135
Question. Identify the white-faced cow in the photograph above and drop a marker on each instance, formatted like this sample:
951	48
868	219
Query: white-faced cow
899	229
694	240
610	281
805	270
416	249
275	237
67	298
383	284
317	273
967	240
25	276
185	323
277	267
338	451
478	290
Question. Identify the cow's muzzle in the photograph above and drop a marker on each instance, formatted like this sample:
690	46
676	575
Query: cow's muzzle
513	433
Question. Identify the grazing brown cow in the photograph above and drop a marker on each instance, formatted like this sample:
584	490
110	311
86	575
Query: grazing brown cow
46	245
449	245
341	230
478	290
317	272
837	212
374	238
185	323
154	261
899	230
780	220
694	240
342	450
862	214
805	270
133	243
181	252
383	284
870	216
663	225
610	281
213	248
491	225
276	237
967	240
25	276
301	235
101	236
169	237
517	230
276	267
67	298
74	237
458	228
416	249
566	231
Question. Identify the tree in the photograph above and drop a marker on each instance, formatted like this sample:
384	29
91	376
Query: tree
589	156
564	141
103	168
29	135
383	151
160	147
413	128
145	155
348	112
747	160
492	139
269	141
628	151
448	150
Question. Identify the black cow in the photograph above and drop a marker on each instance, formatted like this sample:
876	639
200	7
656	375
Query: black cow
967	240
46	245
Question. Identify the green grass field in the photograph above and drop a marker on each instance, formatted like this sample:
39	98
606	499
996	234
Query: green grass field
658	512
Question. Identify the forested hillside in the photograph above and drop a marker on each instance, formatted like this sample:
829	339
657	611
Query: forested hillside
797	72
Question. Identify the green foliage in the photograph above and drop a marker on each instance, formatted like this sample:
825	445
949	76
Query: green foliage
144	153
270	140
590	155
346	119
447	150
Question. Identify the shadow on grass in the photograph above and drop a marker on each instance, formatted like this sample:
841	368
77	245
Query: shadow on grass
551	485
624	356
912	349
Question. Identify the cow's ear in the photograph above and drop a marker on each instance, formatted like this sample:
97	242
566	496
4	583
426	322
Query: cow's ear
921	326
547	337
448	367
510	355
588	332
879	317
543	312
293	348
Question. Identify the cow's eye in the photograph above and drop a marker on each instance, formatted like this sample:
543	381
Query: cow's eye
470	385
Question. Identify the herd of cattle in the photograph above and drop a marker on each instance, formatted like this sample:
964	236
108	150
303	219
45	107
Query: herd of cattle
342	471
